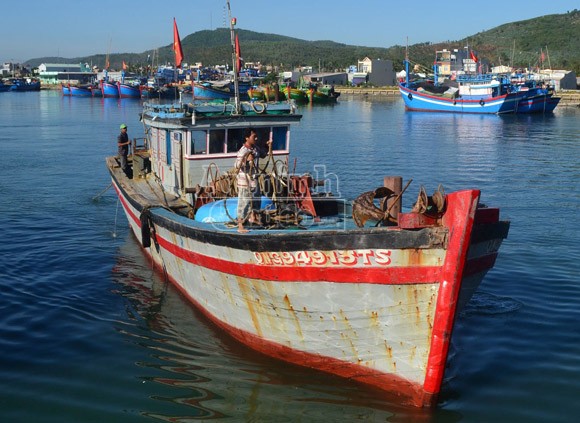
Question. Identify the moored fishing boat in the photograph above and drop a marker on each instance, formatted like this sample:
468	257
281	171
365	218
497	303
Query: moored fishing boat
223	90
347	287
80	90
96	91
65	89
129	90
25	84
296	94
316	96
109	89
536	99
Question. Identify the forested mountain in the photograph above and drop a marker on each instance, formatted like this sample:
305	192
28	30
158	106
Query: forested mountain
517	43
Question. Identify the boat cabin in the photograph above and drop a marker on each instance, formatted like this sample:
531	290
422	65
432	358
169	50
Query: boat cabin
191	147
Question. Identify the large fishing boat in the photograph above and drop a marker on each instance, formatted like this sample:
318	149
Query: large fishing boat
360	289
472	94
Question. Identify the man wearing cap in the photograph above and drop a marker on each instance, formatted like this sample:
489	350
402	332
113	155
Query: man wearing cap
123	144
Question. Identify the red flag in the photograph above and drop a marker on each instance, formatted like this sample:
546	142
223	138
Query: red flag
107	64
124	65
177	46
473	56
542	57
238	55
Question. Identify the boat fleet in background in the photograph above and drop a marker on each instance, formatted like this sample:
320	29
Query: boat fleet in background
204	90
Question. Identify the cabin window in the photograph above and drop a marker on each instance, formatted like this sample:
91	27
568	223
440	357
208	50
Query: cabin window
198	142
279	137
217	140
235	140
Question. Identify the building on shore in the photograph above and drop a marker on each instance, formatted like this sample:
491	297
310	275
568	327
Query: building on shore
327	78
377	72
59	73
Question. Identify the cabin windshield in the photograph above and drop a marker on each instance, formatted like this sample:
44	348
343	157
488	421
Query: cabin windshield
220	142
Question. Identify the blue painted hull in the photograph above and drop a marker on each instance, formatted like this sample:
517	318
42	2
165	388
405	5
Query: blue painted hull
97	92
65	90
80	91
110	90
201	92
21	85
4	87
537	100
421	101
129	91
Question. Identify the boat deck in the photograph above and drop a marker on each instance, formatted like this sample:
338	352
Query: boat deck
146	190
149	194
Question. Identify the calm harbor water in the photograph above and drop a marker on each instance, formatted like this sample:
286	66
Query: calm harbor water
89	332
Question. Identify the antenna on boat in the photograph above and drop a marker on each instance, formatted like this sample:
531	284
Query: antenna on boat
407	63
234	60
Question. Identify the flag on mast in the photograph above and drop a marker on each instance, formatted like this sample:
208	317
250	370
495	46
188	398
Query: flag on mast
473	56
177	46
238	55
124	65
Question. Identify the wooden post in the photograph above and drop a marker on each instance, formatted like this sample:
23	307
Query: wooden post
395	184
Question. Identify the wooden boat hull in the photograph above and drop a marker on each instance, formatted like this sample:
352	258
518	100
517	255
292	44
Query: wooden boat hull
299	96
376	305
316	97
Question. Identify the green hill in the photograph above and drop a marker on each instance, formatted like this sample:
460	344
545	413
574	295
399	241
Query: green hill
517	43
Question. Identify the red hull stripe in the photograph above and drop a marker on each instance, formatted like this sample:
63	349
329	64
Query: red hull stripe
386	275
392	275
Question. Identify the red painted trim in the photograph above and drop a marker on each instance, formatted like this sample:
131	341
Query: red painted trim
459	219
343	274
384	275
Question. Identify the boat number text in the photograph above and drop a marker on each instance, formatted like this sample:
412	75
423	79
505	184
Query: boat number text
325	258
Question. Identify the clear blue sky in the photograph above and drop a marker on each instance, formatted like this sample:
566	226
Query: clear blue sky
74	28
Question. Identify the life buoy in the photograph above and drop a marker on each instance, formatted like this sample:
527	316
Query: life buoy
410	96
481	102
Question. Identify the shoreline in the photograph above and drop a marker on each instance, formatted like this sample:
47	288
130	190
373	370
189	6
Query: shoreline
568	97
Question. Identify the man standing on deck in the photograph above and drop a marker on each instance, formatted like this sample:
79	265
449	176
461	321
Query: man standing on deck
247	167
123	145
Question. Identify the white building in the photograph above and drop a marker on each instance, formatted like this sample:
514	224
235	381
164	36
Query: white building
56	73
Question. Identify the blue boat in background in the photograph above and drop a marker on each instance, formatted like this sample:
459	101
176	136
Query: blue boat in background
487	93
80	90
22	84
127	90
208	91
109	89
537	98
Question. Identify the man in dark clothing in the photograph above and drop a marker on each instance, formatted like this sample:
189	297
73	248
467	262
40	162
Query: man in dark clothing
123	145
